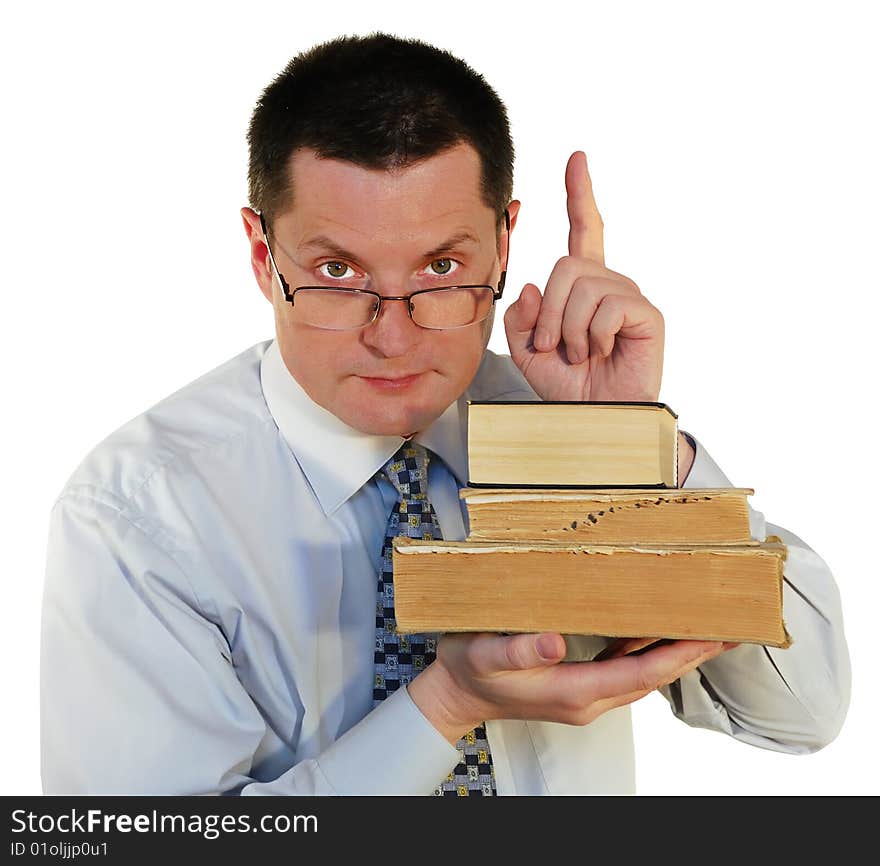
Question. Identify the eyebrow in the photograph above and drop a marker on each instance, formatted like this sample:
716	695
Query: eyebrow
456	240
328	245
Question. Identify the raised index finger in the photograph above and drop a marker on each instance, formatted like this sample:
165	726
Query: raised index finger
585	234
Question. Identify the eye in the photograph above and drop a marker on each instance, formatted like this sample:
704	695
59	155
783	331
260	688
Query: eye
442	267
337	270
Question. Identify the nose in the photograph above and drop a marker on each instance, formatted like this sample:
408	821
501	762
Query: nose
393	333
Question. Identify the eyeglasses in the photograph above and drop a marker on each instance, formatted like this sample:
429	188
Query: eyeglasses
345	309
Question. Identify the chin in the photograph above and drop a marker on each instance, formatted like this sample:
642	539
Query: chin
391	417
392	423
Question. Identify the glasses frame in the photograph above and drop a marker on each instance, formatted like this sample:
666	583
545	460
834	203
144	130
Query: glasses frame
289	295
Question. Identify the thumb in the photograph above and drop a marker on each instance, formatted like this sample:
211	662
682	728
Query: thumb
524	651
520	320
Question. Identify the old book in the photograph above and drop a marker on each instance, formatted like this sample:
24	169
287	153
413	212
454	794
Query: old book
723	592
572	444
609	516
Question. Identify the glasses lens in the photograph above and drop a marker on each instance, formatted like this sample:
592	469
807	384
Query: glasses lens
334	309
453	307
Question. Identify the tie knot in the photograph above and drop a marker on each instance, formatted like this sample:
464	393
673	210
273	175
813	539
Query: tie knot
407	470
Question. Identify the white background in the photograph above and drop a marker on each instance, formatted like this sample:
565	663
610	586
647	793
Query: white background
733	149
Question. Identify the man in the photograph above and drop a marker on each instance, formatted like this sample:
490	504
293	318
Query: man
211	618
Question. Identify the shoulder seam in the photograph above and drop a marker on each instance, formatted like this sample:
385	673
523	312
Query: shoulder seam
104	496
202	449
93	497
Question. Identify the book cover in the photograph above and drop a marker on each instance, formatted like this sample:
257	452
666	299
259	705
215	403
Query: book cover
608	515
723	592
572	444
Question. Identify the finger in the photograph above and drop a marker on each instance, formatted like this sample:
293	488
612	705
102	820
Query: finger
521	652
651	669
711	653
646	681
568	274
606	322
633	318
583	302
598	708
548	328
519	322
623	646
586	230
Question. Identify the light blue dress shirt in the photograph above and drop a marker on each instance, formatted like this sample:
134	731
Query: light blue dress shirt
208	614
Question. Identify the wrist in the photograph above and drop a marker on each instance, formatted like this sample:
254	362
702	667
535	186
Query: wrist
443	703
686	455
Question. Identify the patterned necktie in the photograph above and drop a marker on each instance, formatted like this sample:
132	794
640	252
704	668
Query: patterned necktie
398	658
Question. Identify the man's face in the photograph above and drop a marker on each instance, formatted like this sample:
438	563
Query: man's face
394	232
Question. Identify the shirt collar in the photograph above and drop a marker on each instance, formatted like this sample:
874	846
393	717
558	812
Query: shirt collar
337	459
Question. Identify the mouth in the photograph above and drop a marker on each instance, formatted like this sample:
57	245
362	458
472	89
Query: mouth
396	383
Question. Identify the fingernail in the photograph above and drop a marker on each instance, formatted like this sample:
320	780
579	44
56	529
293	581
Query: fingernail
546	647
542	339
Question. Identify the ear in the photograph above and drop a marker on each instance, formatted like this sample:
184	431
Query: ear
513	210
260	264
504	249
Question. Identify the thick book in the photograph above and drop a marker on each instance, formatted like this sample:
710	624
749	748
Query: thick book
572	444
609	516
696	592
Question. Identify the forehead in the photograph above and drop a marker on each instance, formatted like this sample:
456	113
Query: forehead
416	201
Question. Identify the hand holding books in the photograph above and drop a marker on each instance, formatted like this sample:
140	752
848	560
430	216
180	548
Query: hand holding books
592	335
487	676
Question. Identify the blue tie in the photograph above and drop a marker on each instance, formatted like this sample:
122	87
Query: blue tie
398	658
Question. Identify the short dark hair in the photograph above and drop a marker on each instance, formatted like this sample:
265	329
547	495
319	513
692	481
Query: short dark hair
381	102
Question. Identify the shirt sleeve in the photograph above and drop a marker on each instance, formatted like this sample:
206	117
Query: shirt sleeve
139	694
789	700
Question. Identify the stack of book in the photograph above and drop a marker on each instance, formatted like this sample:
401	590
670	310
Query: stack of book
577	525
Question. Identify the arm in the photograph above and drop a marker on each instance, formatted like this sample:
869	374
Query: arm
792	700
139	694
594	336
